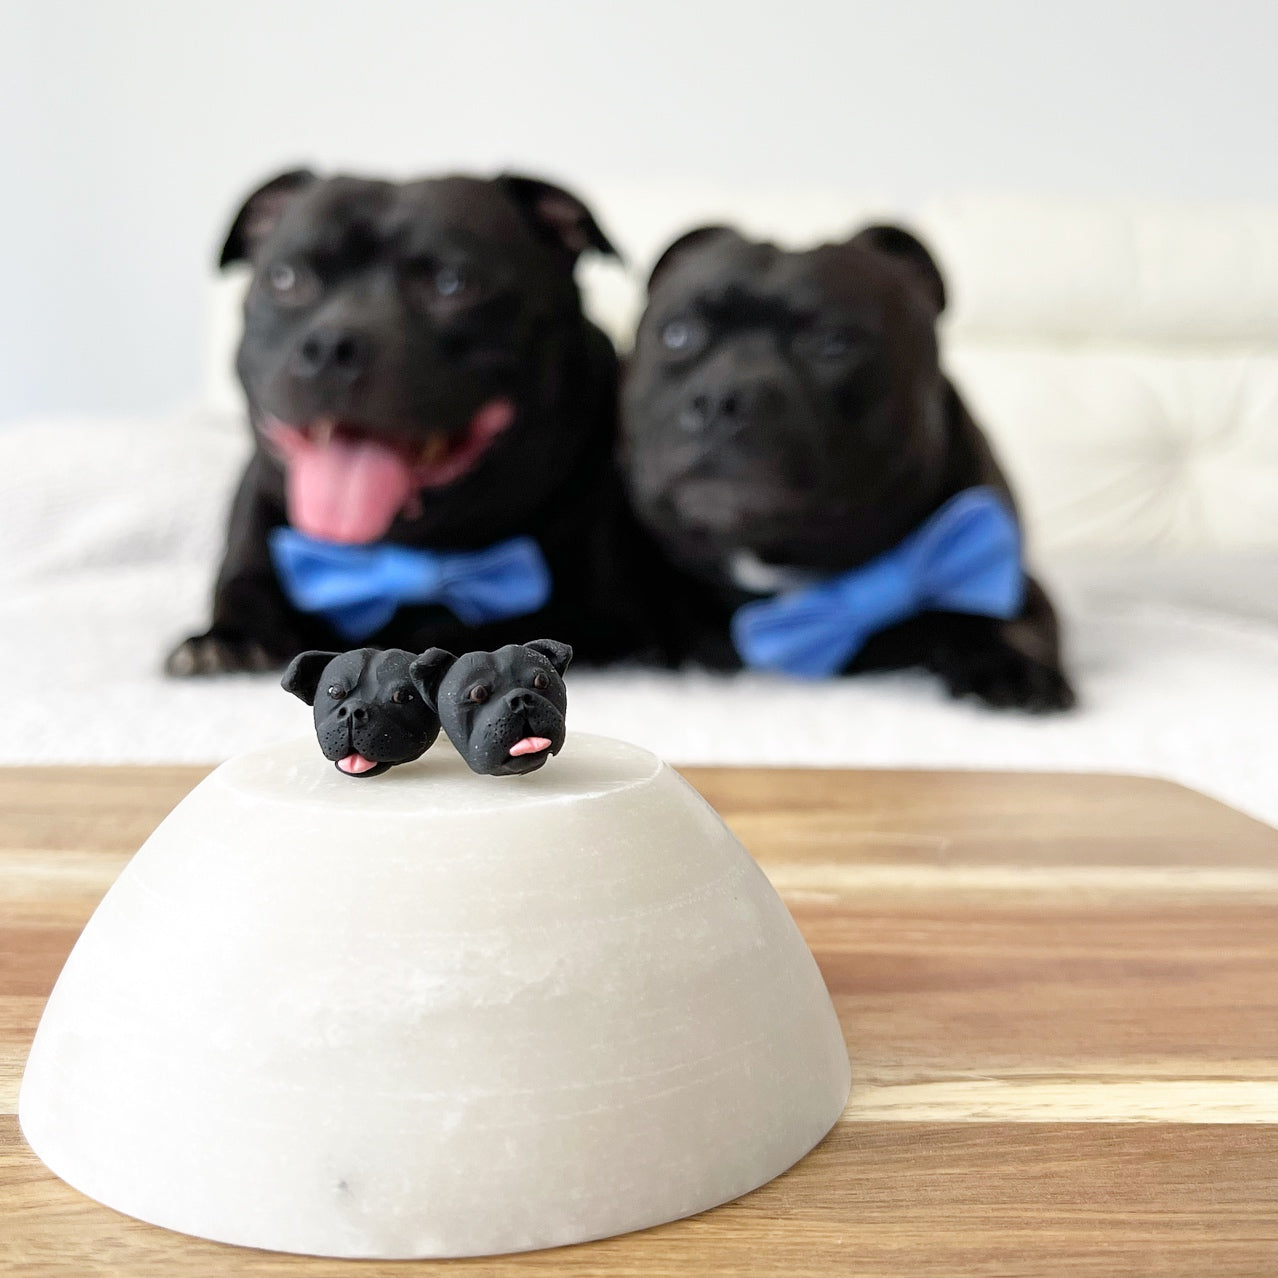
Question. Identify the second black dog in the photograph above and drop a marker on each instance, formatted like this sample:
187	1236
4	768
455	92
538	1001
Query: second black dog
794	445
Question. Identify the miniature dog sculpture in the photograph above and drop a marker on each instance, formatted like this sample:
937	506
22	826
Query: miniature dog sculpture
503	710
826	498
369	716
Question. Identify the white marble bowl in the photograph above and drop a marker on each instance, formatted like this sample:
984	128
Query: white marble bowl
434	1014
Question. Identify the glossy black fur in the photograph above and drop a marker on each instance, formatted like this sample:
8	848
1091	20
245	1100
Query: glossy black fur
365	703
523	695
410	364
784	416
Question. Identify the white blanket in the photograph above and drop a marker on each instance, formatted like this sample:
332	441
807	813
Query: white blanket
111	531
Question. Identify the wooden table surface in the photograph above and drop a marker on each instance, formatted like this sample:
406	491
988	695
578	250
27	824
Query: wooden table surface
1060	996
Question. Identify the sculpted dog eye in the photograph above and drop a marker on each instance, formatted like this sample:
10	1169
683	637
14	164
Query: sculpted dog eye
336	693
540	682
401	696
478	694
683	336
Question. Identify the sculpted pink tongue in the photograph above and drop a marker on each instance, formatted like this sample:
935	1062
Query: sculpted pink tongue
355	764
347	490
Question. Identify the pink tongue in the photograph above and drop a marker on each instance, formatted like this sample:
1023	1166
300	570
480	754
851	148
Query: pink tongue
348	489
355	764
530	745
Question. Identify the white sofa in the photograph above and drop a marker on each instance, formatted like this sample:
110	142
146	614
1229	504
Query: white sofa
1124	359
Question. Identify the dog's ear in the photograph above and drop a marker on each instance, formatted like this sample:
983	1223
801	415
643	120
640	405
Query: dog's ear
303	674
556	215
260	214
689	239
558	654
427	673
897	242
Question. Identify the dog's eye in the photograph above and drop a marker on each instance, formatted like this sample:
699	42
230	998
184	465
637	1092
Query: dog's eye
292	285
832	343
336	693
540	682
683	336
401	696
478	694
449	282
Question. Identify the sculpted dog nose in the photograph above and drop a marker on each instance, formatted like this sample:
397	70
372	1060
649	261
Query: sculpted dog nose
520	699
339	353
348	711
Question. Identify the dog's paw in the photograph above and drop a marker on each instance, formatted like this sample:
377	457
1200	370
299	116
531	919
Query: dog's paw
1006	679
215	653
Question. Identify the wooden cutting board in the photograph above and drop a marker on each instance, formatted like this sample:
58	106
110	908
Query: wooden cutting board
1060	996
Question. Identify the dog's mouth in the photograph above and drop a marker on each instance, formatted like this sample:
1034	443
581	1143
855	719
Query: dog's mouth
530	751
356	765
348	484
742	512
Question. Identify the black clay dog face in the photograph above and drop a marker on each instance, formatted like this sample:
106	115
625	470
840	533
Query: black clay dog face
775	397
369	715
394	333
503	710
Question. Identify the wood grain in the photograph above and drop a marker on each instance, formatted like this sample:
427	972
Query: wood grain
1060	995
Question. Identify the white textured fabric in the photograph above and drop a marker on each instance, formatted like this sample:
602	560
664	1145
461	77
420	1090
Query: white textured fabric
1123	272
111	532
1131	449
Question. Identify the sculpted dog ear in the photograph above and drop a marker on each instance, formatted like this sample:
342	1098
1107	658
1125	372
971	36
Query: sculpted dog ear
558	654
689	239
260	214
897	242
427	673
303	674
557	216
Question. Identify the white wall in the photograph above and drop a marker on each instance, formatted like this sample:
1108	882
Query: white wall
129	128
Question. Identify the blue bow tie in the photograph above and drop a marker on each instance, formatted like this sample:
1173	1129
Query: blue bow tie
358	588
965	558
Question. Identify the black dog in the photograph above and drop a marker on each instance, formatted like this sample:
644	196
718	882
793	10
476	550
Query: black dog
369	715
420	377
786	422
503	710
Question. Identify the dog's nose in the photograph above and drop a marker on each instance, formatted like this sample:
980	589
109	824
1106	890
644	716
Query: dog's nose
729	406
341	354
348	710
520	699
